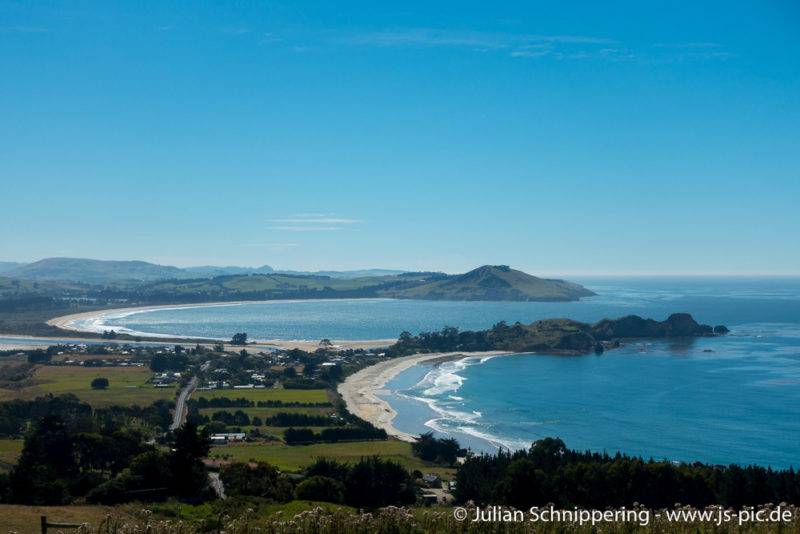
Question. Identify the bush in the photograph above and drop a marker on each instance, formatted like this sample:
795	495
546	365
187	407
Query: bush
441	451
318	488
111	492
263	480
100	383
369	483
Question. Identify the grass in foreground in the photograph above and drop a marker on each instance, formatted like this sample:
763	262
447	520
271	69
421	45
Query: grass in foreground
9	452
127	385
293	458
25	519
304	517
307	396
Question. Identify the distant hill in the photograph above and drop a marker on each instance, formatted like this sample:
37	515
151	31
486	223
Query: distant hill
363	273
496	282
147	282
94	271
102	271
210	271
6	266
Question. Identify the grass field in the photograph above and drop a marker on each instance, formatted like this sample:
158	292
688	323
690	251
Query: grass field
295	457
127	385
9	451
25	519
285	395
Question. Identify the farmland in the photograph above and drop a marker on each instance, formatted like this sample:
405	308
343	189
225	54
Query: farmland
303	396
127	385
294	458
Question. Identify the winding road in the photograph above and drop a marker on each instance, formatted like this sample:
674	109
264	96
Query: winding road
180	404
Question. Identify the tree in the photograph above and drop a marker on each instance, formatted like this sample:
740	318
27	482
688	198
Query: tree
39	356
521	485
100	383
240	338
189	447
431	449
263	480
319	488
290	372
310	368
162	362
46	466
373	482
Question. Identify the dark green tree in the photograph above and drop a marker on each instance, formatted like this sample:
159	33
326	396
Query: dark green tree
318	488
240	338
100	383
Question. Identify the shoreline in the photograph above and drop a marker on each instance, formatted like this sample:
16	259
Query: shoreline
360	390
64	322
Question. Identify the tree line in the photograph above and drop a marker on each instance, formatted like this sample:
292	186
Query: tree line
548	472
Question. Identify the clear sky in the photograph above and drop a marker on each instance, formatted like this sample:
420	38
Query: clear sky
557	137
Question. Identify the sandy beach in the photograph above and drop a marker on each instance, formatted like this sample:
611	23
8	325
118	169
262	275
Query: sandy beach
66	322
360	390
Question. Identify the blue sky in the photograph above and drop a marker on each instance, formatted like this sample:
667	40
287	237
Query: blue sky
557	137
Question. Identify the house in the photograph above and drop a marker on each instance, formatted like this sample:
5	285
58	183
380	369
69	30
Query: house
222	439
429	499
431	480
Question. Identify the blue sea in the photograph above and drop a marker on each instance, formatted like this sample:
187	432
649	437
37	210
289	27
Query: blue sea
732	399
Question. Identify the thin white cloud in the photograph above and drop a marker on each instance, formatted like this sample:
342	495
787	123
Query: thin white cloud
317	220
693	45
516	45
471	39
308	228
535	46
275	246
235	30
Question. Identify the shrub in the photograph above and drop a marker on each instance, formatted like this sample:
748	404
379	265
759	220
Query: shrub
319	488
100	383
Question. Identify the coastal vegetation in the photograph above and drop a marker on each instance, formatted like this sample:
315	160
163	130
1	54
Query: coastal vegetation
554	336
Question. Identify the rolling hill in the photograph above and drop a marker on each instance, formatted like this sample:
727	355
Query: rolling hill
496	282
142	282
94	271
91	271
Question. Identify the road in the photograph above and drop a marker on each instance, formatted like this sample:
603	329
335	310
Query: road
180	404
216	485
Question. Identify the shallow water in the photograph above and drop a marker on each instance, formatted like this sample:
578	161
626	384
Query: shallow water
728	301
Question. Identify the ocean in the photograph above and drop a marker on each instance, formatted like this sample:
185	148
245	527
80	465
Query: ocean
732	399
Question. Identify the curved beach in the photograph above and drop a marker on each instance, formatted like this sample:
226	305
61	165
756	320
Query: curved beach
360	390
67	322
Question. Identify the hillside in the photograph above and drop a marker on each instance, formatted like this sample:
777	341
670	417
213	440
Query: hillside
210	271
6	266
94	271
495	283
91	271
146	283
